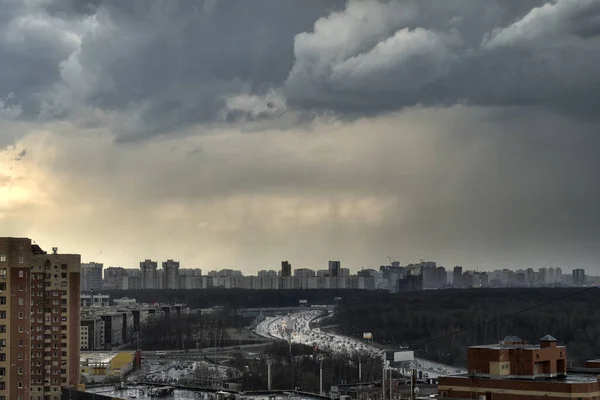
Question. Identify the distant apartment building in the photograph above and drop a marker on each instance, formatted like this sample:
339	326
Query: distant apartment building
118	278
114	278
515	370
114	329
334	268
410	283
91	277
286	269
92	334
578	277
149	274
457	274
190	278
39	320
171	274
226	272
302	276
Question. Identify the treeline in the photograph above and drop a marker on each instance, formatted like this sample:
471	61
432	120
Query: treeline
191	331
302	369
441	324
236	298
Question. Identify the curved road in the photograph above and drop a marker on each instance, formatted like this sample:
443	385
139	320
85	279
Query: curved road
296	327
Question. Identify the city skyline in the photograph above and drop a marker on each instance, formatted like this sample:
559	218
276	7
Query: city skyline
295	266
465	133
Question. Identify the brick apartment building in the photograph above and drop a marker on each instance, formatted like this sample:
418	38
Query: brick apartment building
516	370
39	321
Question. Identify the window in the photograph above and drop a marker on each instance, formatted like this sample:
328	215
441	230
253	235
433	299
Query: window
21	261
20	343
21	274
2	314
2	356
2	300
20	370
20	385
21	301
21	287
2	257
20	315
20	328
3	273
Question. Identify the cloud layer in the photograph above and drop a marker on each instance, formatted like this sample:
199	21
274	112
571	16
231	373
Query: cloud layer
152	68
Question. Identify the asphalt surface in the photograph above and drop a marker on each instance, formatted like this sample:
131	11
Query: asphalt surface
296	328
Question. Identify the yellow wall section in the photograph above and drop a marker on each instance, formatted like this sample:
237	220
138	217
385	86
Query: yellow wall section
121	360
500	368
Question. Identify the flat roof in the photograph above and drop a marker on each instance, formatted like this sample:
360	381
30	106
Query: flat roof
569	378
94	357
499	346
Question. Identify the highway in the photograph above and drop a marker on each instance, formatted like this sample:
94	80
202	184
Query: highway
296	327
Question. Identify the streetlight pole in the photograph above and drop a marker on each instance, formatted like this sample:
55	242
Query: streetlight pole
383	381
321	376
269	376
359	369
390	370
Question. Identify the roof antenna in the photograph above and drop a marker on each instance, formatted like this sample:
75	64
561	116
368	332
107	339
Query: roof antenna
55	250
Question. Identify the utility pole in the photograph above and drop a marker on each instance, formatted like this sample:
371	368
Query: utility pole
390	370
383	382
413	380
269	376
321	376
359	369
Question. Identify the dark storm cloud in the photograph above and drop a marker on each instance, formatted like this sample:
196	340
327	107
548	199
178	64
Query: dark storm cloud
156	67
494	53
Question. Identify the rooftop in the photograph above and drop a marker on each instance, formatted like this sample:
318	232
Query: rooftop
502	345
514	342
97	357
569	378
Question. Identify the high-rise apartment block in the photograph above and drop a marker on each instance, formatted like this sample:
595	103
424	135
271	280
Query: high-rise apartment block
171	274
39	321
286	269
149	274
578	277
91	277
334	268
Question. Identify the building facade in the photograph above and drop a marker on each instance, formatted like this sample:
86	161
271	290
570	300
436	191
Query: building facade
39	320
149	276
334	268
286	269
91	277
171	274
516	370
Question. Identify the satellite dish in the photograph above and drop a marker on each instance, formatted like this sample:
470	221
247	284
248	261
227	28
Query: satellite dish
417	390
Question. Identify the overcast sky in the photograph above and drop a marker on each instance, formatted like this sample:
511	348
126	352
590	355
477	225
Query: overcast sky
239	134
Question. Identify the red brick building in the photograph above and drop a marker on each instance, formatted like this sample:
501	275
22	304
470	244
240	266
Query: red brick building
39	321
516	370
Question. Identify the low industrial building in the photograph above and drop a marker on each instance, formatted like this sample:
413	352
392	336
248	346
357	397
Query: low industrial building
96	367
516	370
